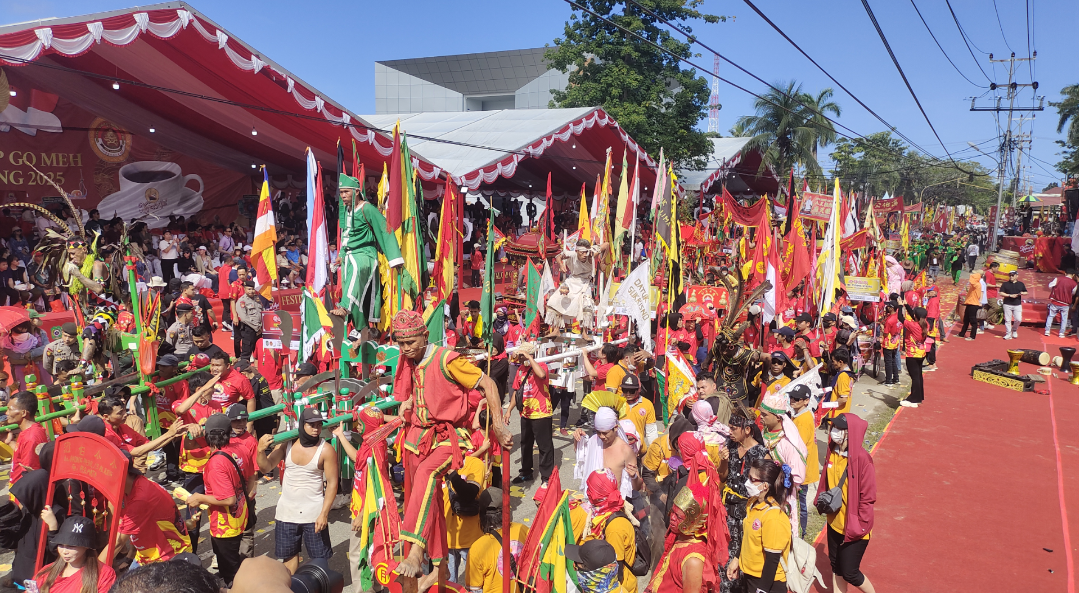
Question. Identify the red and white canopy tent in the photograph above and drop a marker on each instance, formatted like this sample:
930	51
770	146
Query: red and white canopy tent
733	165
150	82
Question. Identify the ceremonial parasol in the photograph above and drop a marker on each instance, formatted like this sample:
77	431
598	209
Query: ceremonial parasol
12	316
695	311
1028	199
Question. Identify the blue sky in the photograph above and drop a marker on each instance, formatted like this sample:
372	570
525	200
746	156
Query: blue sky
333	45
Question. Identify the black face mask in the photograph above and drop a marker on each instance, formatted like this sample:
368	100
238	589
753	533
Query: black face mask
306	440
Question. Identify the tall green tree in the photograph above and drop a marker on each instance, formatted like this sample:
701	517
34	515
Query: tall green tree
789	125
647	91
1068	110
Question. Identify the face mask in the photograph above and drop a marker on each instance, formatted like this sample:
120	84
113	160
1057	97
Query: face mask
752	488
307	440
838	435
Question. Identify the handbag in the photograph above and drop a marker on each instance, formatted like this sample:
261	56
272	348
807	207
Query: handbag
981	315
829	502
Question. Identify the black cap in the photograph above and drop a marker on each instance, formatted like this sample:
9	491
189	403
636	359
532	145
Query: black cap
184	308
592	555
242	364
306	369
781	356
77	531
828	317
237	412
786	332
799	392
168	360
91	424
490	498
310	416
70	329
218	422
630	381
840	422
1013	273
806	317
249	284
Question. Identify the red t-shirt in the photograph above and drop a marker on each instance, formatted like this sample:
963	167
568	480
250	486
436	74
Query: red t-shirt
221	482
535	398
237	290
932	307
127	439
477	260
106	576
26	447
601	371
223	286
149	516
477	441
194	452
232	388
244	450
991	285
269	365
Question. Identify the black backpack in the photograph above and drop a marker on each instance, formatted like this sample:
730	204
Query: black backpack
642	558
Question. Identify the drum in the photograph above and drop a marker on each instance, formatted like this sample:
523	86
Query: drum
1066	355
1035	357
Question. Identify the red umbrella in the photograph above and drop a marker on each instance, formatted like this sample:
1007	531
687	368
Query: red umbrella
695	311
12	316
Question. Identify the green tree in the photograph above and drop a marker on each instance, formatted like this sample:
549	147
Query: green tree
1068	110
789	126
652	97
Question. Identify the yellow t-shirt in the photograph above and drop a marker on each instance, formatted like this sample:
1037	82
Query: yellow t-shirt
836	464
614	378
844	386
484	566
766	527
641	414
462	532
657	455
806	430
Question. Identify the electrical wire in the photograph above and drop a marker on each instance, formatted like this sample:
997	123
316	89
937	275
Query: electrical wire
966	41
1030	24
902	74
1001	27
946	56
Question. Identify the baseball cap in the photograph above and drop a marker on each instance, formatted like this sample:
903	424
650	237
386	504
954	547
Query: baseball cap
242	364
799	392
237	412
490	498
200	360
77	531
630	381
840	422
806	317
827	317
310	416
786	332
168	360
218	422
1013	273
306	369
91	424
781	356
592	555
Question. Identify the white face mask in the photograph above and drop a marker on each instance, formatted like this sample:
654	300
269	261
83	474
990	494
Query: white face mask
752	488
838	435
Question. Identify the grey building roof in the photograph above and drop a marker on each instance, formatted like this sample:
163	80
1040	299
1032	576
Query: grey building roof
488	73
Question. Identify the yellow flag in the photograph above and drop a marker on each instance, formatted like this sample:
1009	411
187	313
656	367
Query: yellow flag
584	225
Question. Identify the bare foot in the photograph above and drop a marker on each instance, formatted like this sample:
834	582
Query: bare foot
410	566
427	581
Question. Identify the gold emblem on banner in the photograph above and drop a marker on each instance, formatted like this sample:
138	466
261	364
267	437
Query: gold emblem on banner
110	142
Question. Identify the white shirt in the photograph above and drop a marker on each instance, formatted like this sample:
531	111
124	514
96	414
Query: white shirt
973	250
169	248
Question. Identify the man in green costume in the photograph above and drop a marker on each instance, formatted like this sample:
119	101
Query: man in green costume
363	237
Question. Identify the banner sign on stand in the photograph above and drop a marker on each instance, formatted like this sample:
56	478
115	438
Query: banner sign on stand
860	288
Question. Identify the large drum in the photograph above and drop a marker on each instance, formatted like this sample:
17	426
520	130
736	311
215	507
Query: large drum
1035	357
1008	260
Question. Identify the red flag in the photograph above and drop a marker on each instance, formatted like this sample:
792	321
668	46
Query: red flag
529	563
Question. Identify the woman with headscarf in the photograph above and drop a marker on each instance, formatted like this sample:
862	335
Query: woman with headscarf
744	448
785	446
713	433
29	494
973	302
896	274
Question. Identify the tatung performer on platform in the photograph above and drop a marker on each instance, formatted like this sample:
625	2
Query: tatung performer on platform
433	384
363	237
580	265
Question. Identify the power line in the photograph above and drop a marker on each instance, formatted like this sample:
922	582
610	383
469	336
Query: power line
1001	27
966	41
902	74
946	56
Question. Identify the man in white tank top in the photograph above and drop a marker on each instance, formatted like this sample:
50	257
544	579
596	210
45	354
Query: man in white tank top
307	492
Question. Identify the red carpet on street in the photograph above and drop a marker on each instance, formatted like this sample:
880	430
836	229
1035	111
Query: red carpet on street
978	489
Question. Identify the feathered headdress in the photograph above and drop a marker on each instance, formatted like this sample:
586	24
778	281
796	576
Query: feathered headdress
730	330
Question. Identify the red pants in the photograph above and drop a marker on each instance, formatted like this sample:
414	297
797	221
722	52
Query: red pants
425	519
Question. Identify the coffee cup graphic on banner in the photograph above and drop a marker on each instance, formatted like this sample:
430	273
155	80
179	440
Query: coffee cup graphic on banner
151	191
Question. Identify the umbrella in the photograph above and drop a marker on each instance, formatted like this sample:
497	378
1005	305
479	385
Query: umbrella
695	311
1028	199
12	316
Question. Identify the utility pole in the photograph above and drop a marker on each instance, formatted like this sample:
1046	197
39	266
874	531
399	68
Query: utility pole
1006	144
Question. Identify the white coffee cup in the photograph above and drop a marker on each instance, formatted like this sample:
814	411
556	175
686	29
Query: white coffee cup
155	179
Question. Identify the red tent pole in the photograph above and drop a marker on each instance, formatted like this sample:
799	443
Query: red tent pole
505	519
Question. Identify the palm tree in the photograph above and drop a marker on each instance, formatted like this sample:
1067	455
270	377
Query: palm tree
820	106
784	128
1068	109
739	129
